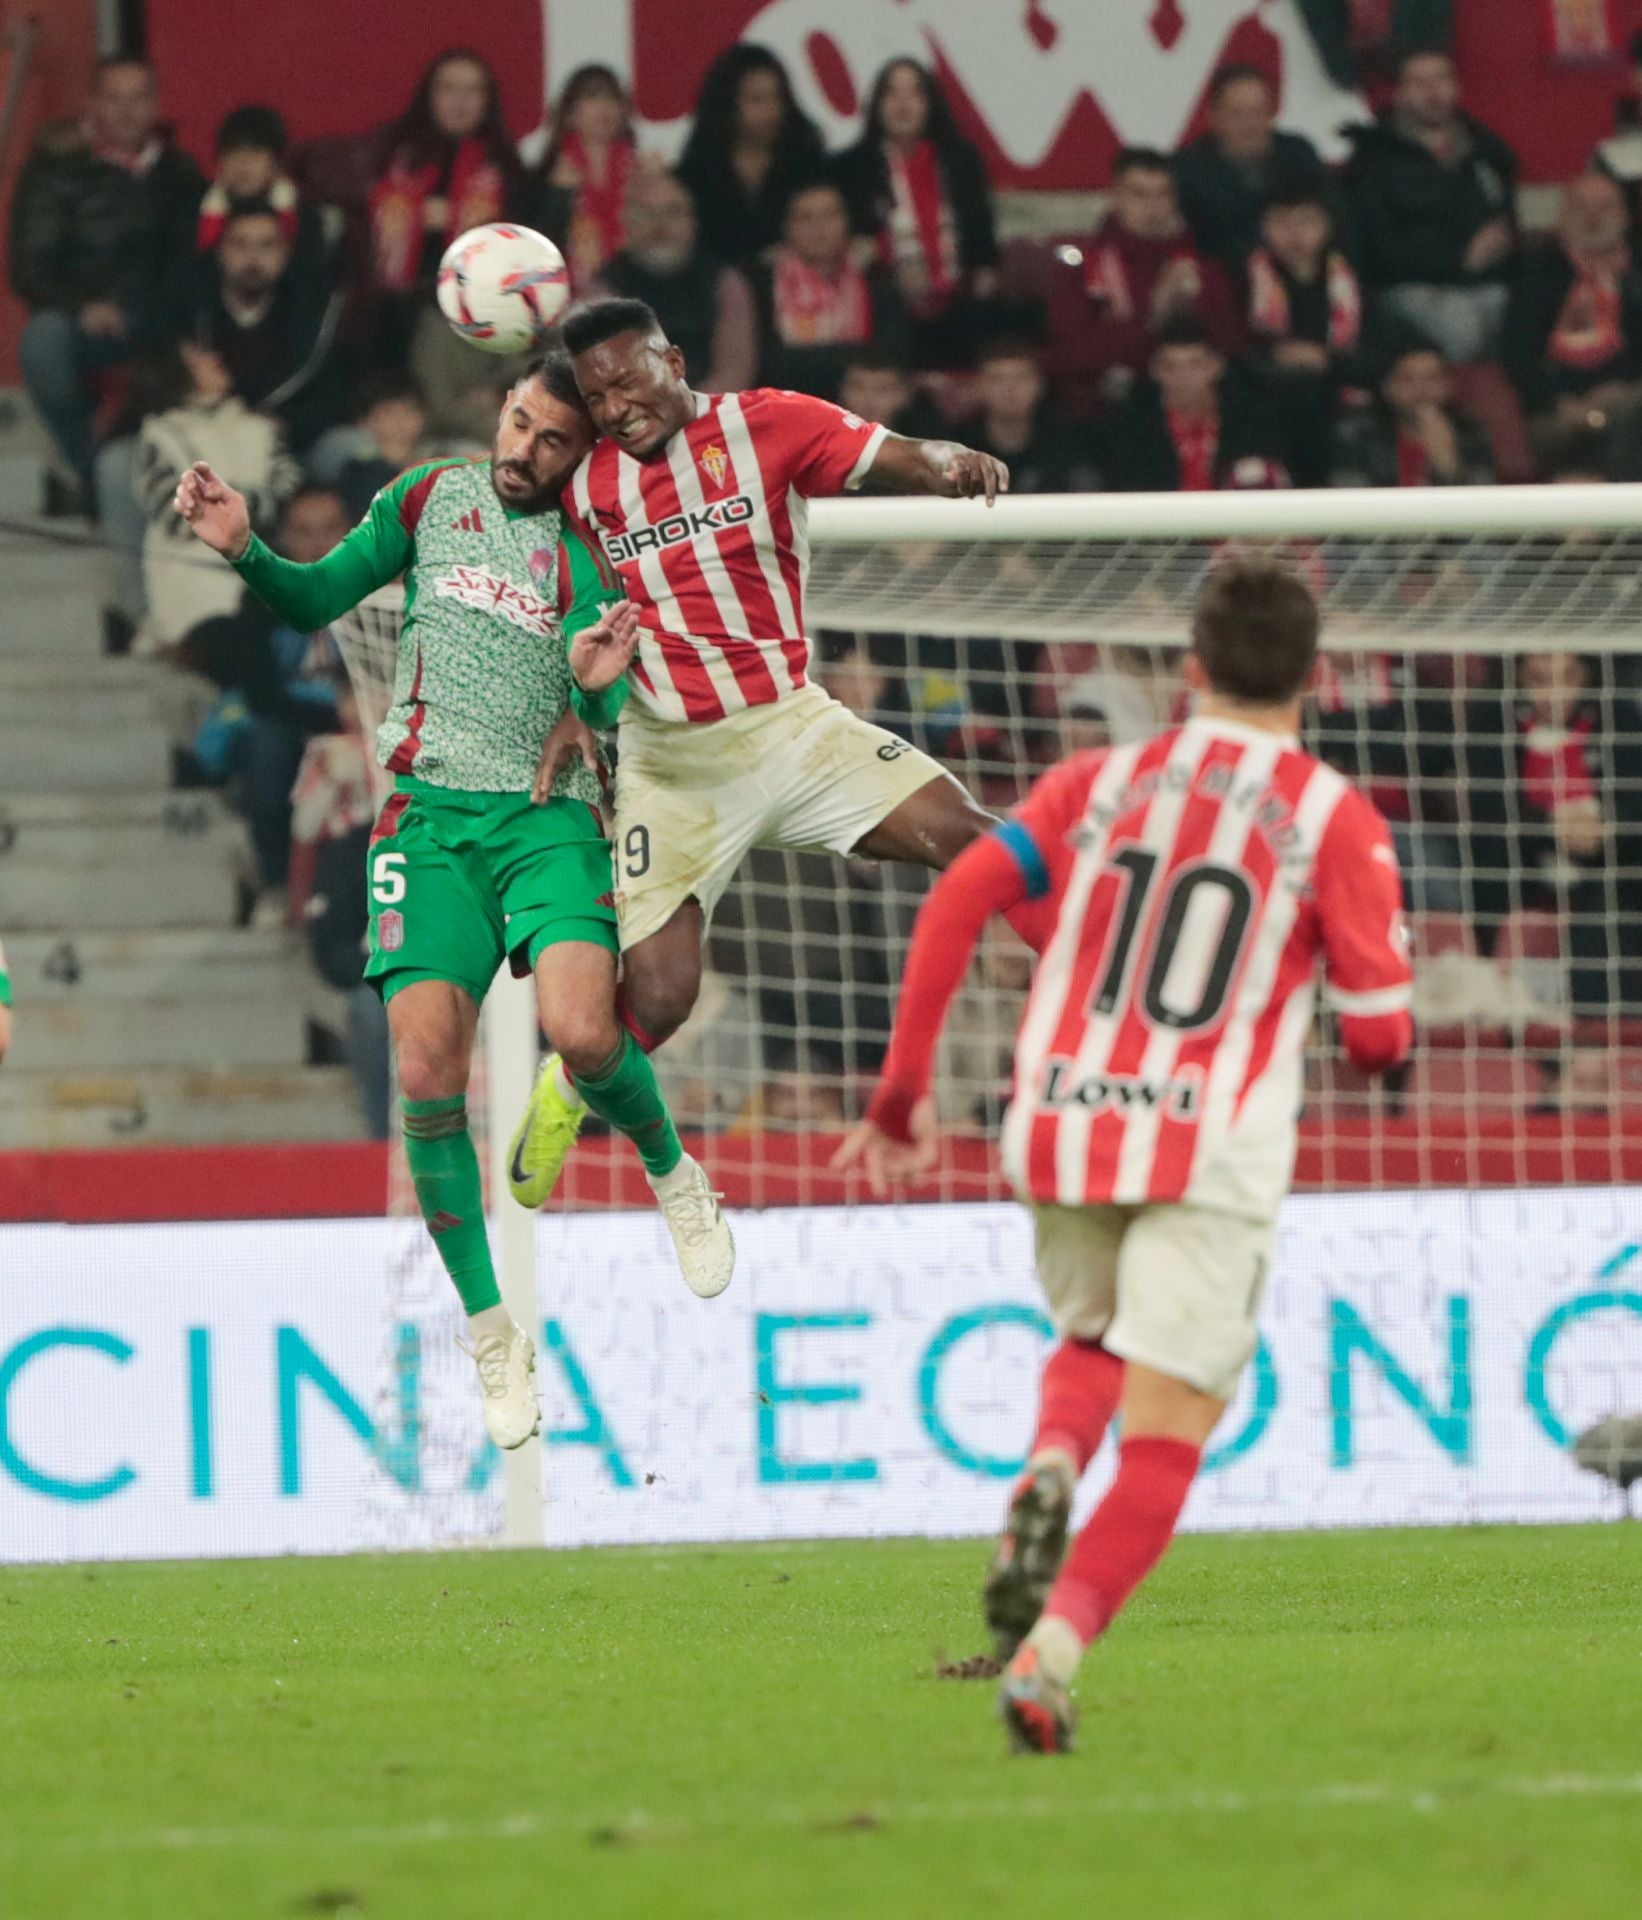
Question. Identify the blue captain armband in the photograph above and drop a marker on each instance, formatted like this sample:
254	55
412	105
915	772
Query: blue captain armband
1027	857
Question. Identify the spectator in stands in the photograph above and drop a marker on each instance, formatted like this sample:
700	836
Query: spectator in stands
1191	426
332	811
208	420
1305	321
1620	155
1370	718
749	148
918	191
817	302
706	308
590	160
878	387
1227	175
1142	273
1101	708
1412	437
252	149
1551	774
1015	423
389	435
99	202
278	689
1573	327
272	318
1433	199
446	164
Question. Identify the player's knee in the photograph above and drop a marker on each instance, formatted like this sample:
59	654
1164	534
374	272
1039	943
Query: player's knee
431	1068
662	1006
587	1039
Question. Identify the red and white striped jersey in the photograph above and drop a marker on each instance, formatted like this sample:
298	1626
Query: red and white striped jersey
709	538
1198	879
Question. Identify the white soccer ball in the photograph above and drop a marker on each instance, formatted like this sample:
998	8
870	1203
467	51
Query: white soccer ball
502	286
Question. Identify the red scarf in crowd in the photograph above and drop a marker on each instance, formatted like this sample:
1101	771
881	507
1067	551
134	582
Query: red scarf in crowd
217	205
1556	763
476	193
1197	447
818	309
1413	462
1106	274
1269	313
1588	332
598	224
922	230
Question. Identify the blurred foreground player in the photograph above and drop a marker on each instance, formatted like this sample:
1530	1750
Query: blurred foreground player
489	850
1197	879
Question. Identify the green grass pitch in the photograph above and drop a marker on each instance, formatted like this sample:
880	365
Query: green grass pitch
1378	1724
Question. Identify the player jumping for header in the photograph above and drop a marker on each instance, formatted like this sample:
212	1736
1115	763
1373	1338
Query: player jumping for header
699	504
465	870
1197	880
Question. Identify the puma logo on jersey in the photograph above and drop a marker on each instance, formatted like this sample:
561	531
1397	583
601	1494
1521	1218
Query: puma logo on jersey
472	587
678	528
1120	1092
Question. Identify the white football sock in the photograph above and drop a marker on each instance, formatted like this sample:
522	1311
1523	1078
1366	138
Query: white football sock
565	1087
1058	1648
490	1320
662	1184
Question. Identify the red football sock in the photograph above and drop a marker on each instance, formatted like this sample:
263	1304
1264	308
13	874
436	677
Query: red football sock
1077	1398
1126	1533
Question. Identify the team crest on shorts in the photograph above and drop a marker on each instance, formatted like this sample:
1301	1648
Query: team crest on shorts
390	930
716	461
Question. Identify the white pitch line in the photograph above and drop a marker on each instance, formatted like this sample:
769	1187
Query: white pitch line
1387	1795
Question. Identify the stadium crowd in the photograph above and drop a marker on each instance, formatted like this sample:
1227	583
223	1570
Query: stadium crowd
1242	316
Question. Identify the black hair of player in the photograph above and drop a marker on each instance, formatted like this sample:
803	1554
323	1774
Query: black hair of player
1233	74
1255	629
1141	160
557	372
253	130
593	322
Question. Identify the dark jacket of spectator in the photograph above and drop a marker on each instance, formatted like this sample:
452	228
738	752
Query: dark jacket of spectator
273	319
1371	449
1121	275
1569	327
1223	199
1056	459
1413	215
1369	719
87	228
749	150
1141	451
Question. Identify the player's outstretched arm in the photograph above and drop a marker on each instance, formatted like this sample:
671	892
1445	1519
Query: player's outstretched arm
600	655
940	467
307	596
898	1138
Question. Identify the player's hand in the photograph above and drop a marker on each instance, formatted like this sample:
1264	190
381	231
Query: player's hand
601	654
968	474
214	510
886	1159
571	736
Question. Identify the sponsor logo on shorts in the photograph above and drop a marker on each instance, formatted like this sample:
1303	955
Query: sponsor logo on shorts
718	516
1180	1095
893	749
390	930
473	587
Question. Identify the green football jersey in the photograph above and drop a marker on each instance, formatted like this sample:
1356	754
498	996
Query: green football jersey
482	675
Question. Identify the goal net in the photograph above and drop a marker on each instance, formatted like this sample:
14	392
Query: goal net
1482	679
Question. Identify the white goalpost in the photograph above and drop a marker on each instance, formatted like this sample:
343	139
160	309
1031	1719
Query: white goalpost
1455	621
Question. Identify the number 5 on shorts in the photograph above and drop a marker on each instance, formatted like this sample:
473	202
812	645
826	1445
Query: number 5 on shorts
388	879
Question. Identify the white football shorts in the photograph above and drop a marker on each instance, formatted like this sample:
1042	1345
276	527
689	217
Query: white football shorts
692	800
1171	1286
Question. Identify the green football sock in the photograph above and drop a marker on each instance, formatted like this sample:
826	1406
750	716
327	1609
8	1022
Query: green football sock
445	1172
627	1096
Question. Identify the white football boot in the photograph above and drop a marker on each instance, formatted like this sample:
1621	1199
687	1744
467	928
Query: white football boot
507	1384
701	1235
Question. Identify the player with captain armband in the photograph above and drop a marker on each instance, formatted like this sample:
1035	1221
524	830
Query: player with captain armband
1197	881
467	868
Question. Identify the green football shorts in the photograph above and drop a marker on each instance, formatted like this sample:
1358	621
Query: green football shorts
460	882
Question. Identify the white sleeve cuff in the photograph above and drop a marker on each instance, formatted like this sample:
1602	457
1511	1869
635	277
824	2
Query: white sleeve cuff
1365	1006
869	453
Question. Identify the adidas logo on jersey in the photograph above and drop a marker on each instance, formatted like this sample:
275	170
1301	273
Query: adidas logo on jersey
469	522
678	528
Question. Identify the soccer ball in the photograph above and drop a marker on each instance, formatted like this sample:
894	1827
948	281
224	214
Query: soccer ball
503	286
